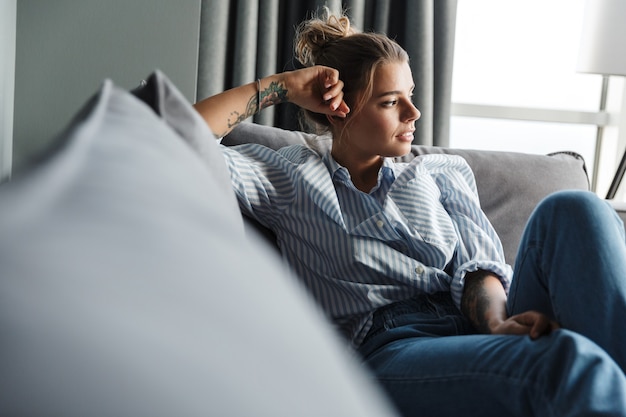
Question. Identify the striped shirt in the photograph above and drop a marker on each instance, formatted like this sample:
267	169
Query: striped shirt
419	230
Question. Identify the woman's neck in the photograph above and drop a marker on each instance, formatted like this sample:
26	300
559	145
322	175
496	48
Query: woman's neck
363	171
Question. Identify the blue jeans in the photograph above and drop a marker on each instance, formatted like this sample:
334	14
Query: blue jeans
571	265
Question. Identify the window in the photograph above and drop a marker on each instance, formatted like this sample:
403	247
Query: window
515	85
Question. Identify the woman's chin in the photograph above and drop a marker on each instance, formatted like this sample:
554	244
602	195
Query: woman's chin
402	149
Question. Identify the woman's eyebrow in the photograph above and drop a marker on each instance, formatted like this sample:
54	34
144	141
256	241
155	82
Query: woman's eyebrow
389	93
394	92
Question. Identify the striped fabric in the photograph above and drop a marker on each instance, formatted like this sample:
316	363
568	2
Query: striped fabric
418	231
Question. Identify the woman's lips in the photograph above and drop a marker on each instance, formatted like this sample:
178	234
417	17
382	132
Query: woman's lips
406	136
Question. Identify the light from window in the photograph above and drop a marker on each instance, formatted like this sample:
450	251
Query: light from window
521	53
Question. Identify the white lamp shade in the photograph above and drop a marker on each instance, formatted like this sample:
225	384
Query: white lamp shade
603	42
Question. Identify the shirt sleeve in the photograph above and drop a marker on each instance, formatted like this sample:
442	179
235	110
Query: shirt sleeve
479	246
261	179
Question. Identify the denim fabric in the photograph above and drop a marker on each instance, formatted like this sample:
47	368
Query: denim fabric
571	265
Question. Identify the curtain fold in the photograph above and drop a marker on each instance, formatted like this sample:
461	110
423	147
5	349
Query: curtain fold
242	40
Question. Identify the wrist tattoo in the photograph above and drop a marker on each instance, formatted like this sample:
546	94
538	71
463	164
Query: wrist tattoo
275	93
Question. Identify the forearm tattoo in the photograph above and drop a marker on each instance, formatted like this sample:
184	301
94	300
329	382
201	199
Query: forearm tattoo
476	302
274	93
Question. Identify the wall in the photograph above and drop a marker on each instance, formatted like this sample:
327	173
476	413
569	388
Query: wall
7	83
65	48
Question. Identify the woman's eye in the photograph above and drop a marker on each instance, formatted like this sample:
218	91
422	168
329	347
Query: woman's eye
390	103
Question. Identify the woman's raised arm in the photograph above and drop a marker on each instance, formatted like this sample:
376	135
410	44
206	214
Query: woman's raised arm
316	88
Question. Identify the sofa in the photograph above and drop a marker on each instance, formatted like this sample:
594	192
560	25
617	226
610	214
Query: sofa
132	285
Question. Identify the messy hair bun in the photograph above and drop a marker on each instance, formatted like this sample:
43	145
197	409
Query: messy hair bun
313	36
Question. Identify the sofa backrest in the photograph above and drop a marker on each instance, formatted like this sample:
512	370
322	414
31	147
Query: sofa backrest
510	184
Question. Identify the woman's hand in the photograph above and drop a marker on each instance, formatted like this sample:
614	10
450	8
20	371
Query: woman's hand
317	89
484	303
532	323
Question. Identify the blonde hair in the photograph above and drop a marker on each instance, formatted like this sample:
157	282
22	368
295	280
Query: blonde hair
331	41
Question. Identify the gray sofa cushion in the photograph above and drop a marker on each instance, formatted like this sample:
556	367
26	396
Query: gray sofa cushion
509	184
129	289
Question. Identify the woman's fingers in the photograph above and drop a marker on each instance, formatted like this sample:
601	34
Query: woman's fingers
538	323
318	89
333	93
532	323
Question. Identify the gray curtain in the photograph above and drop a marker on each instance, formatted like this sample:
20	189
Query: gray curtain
242	40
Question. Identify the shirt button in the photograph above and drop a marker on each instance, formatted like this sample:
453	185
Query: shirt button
419	269
380	224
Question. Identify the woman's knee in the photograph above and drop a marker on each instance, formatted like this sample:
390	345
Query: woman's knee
578	201
576	208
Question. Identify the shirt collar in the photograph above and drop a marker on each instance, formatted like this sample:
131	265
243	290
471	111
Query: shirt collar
335	169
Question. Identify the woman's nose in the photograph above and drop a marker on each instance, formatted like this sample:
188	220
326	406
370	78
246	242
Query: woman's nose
412	112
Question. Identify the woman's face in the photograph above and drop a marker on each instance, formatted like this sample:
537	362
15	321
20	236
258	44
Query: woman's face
385	124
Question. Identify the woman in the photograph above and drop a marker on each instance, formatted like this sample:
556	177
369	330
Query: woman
405	263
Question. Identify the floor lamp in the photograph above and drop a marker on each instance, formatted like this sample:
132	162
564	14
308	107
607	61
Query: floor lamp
603	51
